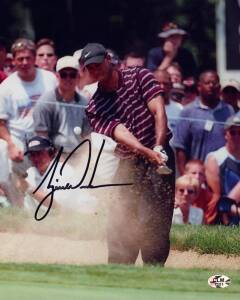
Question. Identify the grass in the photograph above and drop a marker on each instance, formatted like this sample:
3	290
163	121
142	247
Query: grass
206	239
110	282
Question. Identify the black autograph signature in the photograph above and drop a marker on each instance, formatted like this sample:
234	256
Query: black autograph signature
68	186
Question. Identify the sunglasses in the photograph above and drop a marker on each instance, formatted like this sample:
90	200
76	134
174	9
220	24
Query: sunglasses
23	44
234	132
190	192
47	54
72	75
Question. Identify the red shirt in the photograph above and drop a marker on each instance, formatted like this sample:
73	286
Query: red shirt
128	106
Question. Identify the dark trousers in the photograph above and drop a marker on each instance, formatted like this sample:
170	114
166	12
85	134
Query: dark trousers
140	217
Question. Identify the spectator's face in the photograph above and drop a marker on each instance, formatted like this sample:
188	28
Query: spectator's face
164	82
209	87
197	171
40	159
176	75
9	66
134	61
68	79
175	39
232	136
24	61
46	58
185	194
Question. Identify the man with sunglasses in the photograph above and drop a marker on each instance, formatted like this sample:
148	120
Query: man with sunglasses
223	174
18	94
60	113
128	107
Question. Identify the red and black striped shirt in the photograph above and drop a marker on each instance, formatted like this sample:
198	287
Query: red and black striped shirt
128	106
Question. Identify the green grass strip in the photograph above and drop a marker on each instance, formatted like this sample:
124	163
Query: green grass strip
206	239
114	276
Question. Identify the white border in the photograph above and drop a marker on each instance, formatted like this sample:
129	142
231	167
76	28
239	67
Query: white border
221	45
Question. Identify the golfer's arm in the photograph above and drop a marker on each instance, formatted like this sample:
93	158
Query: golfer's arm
123	136
157	108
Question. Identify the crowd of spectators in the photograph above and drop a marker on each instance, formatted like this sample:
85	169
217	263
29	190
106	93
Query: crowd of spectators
45	97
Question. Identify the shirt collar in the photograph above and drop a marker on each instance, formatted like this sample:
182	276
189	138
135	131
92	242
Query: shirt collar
60	98
199	104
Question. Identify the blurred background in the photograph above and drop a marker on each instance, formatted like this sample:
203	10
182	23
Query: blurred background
120	23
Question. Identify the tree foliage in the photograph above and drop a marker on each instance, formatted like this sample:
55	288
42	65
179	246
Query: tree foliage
116	23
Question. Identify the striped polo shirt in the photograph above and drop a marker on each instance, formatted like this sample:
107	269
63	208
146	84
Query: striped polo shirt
128	106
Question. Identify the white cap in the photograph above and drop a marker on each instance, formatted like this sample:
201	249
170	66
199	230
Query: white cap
231	83
77	54
67	62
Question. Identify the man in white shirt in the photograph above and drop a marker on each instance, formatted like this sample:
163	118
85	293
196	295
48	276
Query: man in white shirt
18	94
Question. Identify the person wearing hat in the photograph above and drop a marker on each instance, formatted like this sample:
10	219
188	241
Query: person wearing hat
60	113
230	93
128	107
171	50
41	152
223	175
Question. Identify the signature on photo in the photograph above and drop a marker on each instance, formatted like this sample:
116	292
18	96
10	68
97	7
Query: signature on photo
69	186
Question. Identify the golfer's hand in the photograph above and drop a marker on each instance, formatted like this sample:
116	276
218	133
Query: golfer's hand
153	156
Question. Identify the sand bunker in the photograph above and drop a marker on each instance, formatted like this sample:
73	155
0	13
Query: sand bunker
36	248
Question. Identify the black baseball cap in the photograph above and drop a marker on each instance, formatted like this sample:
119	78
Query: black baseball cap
38	143
93	53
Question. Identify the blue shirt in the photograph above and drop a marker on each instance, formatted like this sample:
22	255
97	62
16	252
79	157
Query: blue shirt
184	58
200	129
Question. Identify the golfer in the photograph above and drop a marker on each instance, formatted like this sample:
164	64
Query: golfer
127	106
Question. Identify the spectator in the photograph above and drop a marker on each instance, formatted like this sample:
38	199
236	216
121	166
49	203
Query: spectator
172	108
45	54
9	66
190	91
17	96
128	107
199	131
187	189
231	94
61	110
3	54
171	50
223	174
177	92
175	72
41	153
134	59
196	169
